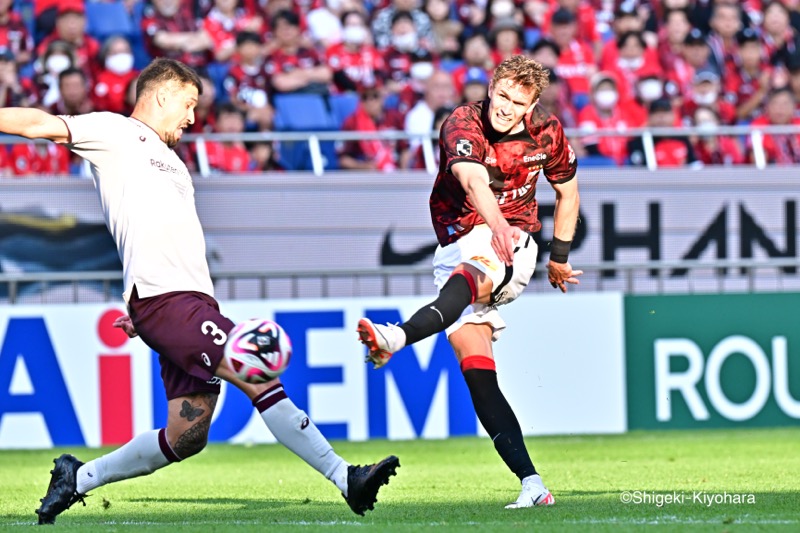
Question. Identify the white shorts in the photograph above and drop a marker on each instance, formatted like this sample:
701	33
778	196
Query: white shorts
475	249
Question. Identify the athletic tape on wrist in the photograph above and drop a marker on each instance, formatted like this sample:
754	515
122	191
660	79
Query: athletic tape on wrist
559	250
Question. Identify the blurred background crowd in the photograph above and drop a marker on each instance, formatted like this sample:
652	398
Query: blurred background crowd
404	64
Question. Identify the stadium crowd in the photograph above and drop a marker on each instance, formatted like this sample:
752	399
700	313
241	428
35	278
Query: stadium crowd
404	64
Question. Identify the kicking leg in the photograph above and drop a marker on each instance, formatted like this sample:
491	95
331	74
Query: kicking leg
294	429
473	346
186	434
466	285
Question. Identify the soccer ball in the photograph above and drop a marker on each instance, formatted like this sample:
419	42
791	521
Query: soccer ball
258	350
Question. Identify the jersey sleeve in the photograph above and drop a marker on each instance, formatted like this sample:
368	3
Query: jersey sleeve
462	137
91	135
562	164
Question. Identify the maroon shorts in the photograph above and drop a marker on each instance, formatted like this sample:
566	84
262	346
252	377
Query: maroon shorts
188	332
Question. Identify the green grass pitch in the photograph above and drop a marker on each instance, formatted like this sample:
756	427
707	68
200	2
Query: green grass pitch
456	485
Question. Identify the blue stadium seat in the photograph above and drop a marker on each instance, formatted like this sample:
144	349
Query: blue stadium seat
302	112
342	106
104	19
217	72
295	155
141	58
588	161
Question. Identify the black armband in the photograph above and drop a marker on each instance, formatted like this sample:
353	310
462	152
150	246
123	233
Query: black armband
559	250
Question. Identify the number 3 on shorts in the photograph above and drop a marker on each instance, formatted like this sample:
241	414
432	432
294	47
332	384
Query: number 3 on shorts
210	328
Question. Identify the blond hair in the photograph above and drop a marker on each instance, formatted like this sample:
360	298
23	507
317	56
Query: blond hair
524	72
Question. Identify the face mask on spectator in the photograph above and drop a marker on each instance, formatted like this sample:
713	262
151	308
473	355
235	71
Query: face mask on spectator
405	42
606	98
705	99
56	64
421	71
120	63
650	90
354	34
630	64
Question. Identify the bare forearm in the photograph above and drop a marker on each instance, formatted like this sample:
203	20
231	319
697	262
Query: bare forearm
485	203
33	124
566	214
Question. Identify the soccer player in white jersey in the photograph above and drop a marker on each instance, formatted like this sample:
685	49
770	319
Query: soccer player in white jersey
147	198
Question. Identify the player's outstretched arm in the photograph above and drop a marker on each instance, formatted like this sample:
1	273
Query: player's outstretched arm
33	124
559	271
475	180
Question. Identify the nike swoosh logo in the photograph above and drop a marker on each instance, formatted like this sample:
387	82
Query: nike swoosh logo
390	256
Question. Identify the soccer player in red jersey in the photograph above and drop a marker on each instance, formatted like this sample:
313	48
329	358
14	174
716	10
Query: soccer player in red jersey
484	210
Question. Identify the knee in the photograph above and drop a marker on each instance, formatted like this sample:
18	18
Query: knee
190	442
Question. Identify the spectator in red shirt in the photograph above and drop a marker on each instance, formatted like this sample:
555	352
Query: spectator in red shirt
695	57
634	62
14	92
228	156
171	30
669	151
780	149
355	62
47	159
113	81
506	39
247	82
586	18
604	113
292	67
576	63
672	36
710	147
726	21
626	19
225	20
748	84
371	116
780	39
73	88
397	56
706	91
71	27
793	66
14	35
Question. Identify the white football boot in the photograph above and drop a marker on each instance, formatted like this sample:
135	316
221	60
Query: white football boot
533	493
381	341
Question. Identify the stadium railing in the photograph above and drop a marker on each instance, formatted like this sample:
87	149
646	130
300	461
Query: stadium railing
649	277
753	137
754	144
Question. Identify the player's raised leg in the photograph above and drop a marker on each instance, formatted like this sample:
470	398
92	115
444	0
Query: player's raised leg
186	434
465	286
293	428
473	346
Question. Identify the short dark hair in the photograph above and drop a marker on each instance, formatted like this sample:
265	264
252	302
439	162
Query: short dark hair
163	70
71	71
400	15
228	109
288	16
248	37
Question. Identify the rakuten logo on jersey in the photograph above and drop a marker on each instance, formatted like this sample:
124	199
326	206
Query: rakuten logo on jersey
534	158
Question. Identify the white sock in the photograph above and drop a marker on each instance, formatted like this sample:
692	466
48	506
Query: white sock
142	455
535	479
296	431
